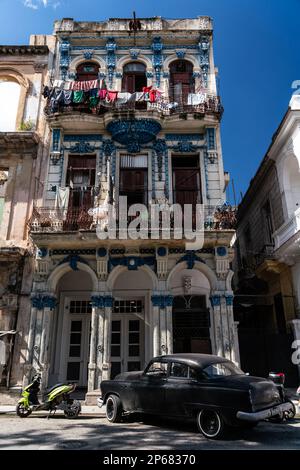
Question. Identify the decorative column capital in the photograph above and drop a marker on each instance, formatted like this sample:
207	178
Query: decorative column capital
229	299
101	301
162	301
215	300
41	301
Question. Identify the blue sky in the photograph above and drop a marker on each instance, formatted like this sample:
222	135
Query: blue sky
256	45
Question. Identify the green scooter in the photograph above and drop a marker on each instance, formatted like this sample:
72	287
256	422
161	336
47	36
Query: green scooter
56	397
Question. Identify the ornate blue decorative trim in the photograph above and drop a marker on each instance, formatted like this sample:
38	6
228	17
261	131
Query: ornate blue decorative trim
157	58
102	252
190	257
215	300
149	74
56	134
101	301
211	138
82	147
132	262
162	301
86	251
64	50
134	53
180	54
82	137
185	146
41	301
111	59
182	250
160	148
42	252
204	45
73	260
108	147
221	251
161	251
134	132
119	74
88	55
182	137
229	299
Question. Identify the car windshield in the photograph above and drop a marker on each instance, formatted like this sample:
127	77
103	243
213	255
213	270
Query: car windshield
222	369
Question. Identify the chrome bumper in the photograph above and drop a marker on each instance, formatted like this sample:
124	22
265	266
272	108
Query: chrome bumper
264	414
100	402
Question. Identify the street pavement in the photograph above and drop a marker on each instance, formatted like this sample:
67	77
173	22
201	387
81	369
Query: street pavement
91	431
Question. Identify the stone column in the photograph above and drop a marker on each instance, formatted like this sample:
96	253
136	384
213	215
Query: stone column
215	300
93	348
100	340
169	321
295	324
108	303
45	345
38	351
162	324
156	335
233	341
29	352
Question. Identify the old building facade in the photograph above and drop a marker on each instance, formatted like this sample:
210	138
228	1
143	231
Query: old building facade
266	262
131	109
23	72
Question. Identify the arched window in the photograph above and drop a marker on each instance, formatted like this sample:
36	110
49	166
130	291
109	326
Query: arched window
181	80
87	71
9	99
134	77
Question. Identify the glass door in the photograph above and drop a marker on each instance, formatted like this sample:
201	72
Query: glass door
78	340
127	340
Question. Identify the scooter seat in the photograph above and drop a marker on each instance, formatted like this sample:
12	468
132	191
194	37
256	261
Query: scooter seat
49	390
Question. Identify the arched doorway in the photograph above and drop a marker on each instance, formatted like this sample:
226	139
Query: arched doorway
181	81
71	329
191	315
134	77
191	325
131	340
87	71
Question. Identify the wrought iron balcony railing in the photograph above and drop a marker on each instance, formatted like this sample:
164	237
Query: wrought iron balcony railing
211	104
50	219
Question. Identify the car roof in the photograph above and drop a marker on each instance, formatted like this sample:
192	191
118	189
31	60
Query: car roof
193	359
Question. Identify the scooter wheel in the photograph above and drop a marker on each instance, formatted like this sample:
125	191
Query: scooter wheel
73	409
23	411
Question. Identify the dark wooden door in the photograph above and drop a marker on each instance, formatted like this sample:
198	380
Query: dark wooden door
186	184
133	184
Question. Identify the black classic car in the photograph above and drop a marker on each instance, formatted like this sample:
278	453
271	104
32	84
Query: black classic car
210	389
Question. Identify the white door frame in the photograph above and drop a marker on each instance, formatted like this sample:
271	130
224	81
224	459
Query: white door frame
65	338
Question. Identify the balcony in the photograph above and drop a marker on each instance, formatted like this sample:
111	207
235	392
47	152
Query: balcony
287	230
209	105
54	220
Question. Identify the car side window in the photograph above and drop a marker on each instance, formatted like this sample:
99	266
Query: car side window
157	368
193	374
179	370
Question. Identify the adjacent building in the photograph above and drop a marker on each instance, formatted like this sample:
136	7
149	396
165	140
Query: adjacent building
267	256
23	72
130	109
